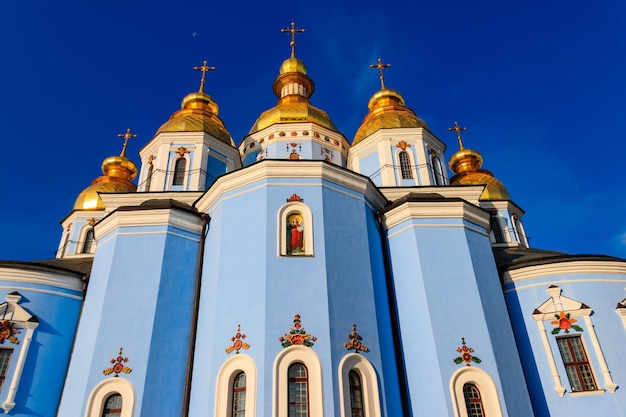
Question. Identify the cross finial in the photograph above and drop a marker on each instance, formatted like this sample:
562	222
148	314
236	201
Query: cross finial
293	32
204	68
458	130
126	136
380	67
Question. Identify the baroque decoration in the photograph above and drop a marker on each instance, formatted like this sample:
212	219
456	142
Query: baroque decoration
118	365
466	354
7	332
565	323
297	335
181	151
355	342
238	342
403	145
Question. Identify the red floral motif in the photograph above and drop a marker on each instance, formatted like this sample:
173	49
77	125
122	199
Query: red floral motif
238	342
336	142
294	133
294	197
118	365
270	137
402	145
252	145
7	332
297	335
315	134
181	151
565	323
466	354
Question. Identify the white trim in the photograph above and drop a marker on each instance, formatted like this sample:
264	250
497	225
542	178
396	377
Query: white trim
566	268
447	226
484	384
224	387
285	211
369	385
280	386
30	275
27	289
575	308
436	210
174	217
102	391
82	236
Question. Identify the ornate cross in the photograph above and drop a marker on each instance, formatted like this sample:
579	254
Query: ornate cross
126	136
380	67
458	130
204	68
293	32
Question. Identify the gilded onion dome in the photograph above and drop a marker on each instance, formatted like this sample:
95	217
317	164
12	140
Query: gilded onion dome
198	113
293	87
118	172
466	165
387	111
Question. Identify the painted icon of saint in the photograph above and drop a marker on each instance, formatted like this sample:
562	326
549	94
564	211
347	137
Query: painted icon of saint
295	235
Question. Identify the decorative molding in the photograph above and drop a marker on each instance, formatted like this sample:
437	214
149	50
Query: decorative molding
436	210
556	305
566	267
238	342
280	388
297	335
224	387
485	385
106	388
466	354
189	222
31	274
355	342
118	365
369	385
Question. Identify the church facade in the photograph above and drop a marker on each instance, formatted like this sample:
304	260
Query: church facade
302	274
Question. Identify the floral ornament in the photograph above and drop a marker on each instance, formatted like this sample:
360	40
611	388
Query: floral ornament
238	342
7	331
466	354
118	365
92	221
294	197
181	151
564	322
355	341
297	335
403	145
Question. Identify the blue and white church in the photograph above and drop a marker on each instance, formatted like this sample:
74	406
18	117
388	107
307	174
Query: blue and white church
161	303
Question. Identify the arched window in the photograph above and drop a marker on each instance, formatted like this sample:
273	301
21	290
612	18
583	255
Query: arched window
356	395
112	406
498	235
295	229
298	391
405	165
473	402
434	162
239	395
88	243
149	177
179	171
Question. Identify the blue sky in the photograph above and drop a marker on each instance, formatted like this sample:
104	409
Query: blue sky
540	86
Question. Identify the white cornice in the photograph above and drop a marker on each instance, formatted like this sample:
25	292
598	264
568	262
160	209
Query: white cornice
34	276
467	193
435	210
113	201
566	268
503	204
304	170
174	217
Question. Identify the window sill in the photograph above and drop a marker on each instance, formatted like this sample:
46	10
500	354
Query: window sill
586	393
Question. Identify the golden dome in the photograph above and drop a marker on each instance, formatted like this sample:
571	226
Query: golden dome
198	113
118	172
466	165
292	64
293	87
387	111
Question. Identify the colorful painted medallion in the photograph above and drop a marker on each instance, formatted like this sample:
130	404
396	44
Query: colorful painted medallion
466	354
238	342
297	335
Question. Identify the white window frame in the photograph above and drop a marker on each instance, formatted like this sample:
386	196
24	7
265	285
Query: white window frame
224	388
413	163
106	388
369	385
284	212
558	303
485	385
82	236
280	387
171	169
